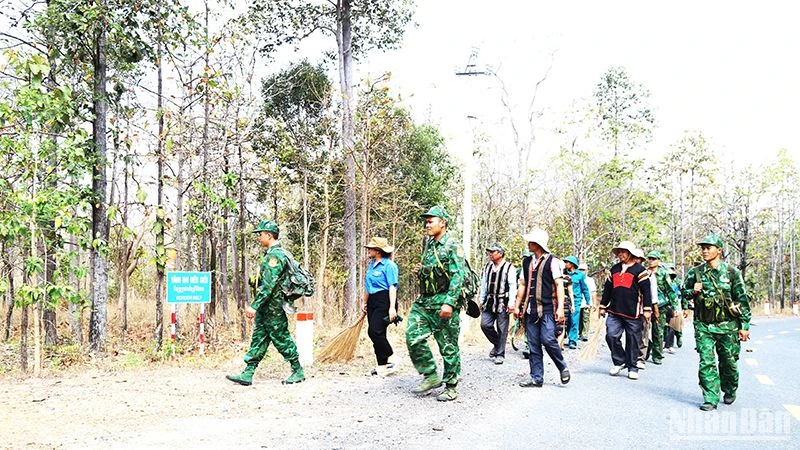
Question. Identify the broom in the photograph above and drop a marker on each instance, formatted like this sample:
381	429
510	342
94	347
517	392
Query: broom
589	351
343	346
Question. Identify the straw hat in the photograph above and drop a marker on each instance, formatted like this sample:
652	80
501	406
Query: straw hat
538	236
381	244
624	245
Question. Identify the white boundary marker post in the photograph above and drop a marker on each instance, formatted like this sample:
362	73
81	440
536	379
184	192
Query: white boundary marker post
766	307
796	308
304	329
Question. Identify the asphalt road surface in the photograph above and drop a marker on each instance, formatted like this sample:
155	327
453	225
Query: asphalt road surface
341	407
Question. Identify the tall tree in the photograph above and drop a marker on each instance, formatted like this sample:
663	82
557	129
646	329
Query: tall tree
626	118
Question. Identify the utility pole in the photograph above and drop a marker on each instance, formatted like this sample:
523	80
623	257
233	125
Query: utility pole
471	69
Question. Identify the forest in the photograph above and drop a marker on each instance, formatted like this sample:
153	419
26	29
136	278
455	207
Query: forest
140	137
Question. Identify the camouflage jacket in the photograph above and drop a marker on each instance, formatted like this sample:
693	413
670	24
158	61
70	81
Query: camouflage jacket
272	265
442	273
666	295
719	288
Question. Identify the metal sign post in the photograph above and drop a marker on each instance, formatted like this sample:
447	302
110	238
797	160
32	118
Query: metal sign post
189	287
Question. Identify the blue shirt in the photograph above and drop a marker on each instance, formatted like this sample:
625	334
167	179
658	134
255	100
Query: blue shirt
580	290
380	275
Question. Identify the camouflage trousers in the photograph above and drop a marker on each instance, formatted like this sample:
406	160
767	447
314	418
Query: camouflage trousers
717	339
271	326
424	322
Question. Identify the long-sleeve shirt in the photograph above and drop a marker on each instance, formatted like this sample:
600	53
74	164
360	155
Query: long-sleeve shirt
511	283
445	260
624	289
720	286
580	289
665	293
272	265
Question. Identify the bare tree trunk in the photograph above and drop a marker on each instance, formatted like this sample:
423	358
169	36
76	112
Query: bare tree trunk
242	296
97	330
126	254
223	242
319	302
75	311
9	273
23	339
204	237
306	300
344	39
160	226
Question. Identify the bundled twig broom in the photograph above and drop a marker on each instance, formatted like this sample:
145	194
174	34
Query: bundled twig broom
589	351
343	346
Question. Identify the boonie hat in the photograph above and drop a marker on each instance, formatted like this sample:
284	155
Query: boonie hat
380	243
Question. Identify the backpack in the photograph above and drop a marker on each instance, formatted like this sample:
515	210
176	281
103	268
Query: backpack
470	288
297	281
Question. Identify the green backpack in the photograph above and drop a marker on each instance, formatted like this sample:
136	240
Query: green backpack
470	288
297	282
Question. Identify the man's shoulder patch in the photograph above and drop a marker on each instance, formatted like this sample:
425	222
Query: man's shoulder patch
273	262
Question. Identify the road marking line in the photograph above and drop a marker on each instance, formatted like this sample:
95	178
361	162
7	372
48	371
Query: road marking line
771	336
751	362
763	379
793	410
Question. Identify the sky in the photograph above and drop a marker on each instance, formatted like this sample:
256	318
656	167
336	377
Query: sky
728	69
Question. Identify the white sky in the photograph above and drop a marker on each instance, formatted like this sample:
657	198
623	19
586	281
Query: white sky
728	69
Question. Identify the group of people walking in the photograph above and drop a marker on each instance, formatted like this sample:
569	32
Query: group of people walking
552	297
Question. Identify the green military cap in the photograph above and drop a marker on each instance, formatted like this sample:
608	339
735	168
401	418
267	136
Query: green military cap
711	239
655	254
267	225
572	260
496	247
437	211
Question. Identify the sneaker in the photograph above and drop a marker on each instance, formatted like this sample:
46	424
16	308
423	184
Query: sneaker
707	407
526	354
658	362
499	360
640	365
728	398
633	375
671	350
616	370
389	369
565	376
585	339
573	345
529	383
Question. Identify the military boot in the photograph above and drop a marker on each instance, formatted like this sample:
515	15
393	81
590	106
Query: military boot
297	374
245	378
431	381
449	394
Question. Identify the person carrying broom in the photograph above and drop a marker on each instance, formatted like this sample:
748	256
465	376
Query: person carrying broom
435	312
271	323
380	301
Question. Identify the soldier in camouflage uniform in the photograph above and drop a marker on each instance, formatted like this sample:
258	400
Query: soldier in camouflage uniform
667	305
271	323
436	310
721	306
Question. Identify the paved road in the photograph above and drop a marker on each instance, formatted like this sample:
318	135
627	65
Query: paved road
340	407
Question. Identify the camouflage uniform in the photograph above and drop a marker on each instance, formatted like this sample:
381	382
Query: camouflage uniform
715	328
667	300
440	281
271	324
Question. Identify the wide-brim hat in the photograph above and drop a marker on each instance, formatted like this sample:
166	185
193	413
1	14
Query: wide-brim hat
583	266
572	260
624	245
380	243
538	236
637	252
